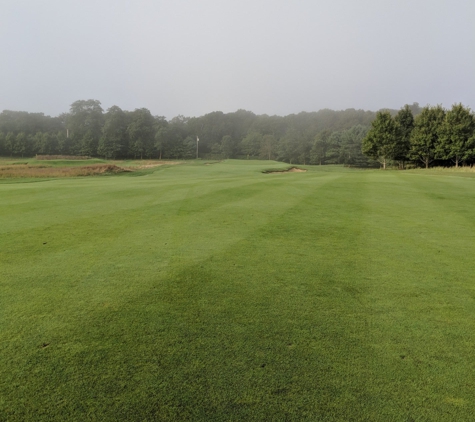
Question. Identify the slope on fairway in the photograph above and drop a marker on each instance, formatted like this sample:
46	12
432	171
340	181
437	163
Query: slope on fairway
221	293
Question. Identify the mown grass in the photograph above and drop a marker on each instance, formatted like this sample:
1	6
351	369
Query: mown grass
220	293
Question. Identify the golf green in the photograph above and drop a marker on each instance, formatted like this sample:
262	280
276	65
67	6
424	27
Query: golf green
220	293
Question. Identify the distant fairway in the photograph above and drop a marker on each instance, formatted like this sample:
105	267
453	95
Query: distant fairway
219	293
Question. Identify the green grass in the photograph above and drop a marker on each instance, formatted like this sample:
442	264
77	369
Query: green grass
218	293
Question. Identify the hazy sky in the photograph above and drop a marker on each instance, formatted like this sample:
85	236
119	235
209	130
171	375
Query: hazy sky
192	57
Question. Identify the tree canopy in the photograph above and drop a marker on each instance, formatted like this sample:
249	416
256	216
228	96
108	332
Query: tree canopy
381	141
351	137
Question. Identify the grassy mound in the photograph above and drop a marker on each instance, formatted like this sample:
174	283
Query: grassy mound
35	171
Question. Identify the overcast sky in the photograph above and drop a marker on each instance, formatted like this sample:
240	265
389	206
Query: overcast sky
192	57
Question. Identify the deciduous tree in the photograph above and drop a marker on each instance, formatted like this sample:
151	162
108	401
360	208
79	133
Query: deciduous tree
85	126
19	146
318	154
141	132
228	148
405	124
425	135
251	144
2	143
113	141
10	143
267	146
457	141
380	142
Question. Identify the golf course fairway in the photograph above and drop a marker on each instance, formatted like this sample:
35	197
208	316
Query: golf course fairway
216	292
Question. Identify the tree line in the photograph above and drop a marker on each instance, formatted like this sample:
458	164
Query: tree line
352	137
323	137
435	134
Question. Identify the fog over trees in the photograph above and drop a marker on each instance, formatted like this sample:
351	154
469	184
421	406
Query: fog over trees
351	137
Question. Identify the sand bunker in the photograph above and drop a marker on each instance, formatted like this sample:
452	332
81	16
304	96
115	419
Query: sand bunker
290	170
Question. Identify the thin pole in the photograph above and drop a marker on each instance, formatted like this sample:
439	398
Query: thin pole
197	140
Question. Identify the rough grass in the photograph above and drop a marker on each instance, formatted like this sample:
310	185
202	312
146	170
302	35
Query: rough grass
74	167
212	293
38	171
461	169
62	157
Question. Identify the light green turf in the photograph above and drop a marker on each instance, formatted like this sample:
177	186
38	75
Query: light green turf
218	293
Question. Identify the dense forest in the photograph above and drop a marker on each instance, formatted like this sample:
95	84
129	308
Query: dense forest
351	137
320	137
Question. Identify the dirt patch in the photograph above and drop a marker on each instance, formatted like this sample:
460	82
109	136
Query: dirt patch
289	170
45	171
